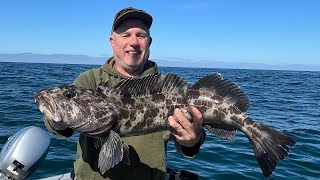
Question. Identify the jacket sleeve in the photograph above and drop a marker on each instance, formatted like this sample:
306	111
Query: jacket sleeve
188	151
192	151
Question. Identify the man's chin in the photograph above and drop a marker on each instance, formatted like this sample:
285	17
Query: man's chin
133	68
135	64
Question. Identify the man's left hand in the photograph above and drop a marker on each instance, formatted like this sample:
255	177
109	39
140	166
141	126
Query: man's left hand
186	133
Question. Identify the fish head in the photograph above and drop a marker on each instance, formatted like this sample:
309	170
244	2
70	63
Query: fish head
66	104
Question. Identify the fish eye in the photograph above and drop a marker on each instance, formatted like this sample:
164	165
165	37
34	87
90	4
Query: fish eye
69	93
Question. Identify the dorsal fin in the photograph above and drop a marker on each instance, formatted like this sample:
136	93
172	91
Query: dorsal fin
104	87
224	88
151	84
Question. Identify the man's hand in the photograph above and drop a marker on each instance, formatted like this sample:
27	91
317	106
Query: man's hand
187	133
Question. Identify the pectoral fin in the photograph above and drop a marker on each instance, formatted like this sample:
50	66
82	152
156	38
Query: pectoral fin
111	152
126	158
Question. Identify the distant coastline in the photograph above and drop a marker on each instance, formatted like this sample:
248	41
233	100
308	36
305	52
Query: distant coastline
84	59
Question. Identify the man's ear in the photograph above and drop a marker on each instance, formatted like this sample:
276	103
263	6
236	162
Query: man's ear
150	39
111	41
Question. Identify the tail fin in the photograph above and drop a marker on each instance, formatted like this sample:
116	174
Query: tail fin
270	147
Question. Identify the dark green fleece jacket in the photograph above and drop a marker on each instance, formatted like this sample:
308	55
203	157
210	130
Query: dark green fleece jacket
147	153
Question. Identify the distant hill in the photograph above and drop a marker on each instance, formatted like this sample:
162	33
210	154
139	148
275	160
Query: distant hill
235	65
83	59
51	58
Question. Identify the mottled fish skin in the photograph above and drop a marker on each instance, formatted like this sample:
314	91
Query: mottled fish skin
82	109
142	105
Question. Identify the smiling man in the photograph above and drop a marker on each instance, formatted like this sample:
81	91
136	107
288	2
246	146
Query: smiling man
130	43
130	40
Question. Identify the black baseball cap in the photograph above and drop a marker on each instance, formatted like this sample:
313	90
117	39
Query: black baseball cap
131	13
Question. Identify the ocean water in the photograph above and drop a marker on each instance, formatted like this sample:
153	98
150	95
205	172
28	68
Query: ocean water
289	101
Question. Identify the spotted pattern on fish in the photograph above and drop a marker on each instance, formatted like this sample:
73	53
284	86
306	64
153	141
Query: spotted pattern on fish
140	106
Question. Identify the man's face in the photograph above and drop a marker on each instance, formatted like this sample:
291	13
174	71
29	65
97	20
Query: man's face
130	43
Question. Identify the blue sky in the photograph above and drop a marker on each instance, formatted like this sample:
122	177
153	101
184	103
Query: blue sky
270	31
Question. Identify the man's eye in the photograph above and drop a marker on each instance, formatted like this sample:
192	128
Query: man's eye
125	35
142	35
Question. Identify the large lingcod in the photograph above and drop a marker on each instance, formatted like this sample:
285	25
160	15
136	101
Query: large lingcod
142	105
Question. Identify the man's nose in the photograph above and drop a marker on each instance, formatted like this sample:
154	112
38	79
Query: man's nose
134	41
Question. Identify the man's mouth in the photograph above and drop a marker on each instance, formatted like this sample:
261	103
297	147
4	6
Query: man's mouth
134	53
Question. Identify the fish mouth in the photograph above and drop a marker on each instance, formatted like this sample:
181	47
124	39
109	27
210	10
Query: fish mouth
46	104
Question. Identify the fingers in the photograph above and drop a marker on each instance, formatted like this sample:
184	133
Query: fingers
186	132
176	128
185	123
179	122
197	116
181	119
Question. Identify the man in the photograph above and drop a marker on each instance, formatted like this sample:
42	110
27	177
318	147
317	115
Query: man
130	40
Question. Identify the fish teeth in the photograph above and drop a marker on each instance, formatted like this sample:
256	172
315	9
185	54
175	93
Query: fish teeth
46	112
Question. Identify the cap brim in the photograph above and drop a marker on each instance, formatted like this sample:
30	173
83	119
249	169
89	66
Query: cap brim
146	18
